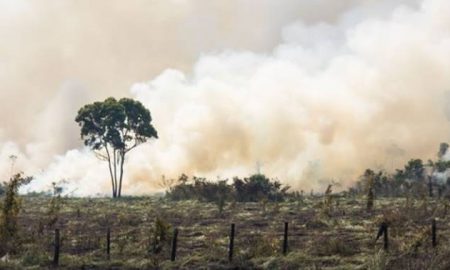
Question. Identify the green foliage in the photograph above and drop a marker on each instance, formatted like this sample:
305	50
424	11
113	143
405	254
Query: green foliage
112	128
414	170
121	124
440	165
256	188
9	212
410	179
200	189
443	147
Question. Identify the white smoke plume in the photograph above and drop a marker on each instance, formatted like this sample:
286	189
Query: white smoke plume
363	84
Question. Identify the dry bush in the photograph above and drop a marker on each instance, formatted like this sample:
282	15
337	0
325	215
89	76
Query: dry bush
327	205
326	246
10	209
258	245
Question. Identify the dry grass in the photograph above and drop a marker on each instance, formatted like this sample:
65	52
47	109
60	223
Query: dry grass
342	239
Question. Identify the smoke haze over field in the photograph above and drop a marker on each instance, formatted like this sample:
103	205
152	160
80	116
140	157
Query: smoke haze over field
312	91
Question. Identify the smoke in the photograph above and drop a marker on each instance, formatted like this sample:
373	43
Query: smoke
312	96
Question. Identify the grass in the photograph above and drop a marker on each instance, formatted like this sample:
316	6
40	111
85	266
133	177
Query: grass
342	239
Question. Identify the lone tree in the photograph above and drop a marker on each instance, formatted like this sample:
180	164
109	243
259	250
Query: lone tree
112	128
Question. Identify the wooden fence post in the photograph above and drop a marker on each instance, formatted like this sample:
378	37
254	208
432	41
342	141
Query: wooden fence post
433	233
285	239
430	186
174	245
56	251
383	230
231	246
108	243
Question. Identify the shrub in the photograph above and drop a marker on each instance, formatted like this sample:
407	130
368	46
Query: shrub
10	212
326	246
55	206
257	187
328	202
160	235
253	189
199	189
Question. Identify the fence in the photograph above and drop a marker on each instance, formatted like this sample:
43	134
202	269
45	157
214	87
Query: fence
233	234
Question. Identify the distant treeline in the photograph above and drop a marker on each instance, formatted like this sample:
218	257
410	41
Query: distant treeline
416	178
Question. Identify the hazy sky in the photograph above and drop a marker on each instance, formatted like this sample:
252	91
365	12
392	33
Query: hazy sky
314	90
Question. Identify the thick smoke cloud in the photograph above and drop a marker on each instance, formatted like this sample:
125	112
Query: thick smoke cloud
313	98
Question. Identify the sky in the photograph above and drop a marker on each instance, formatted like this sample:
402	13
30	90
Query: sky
313	91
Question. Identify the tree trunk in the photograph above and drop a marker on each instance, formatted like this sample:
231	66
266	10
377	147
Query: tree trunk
113	180
122	160
115	171
114	186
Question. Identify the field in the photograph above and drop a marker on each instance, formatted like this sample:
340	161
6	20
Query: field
339	234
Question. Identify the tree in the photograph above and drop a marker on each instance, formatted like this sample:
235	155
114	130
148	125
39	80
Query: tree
443	147
414	170
113	128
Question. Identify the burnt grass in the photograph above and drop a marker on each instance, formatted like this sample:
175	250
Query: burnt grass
337	236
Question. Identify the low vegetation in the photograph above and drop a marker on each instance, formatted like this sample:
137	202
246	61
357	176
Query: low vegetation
329	230
142	230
